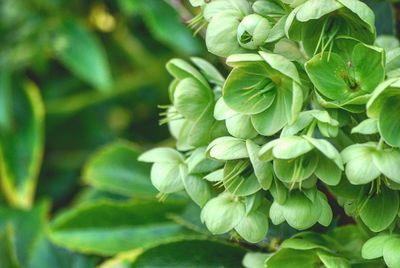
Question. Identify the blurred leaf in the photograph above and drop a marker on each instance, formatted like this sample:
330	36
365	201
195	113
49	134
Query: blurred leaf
21	146
5	100
27	225
191	253
79	50
190	218
384	16
107	227
115	168
165	25
8	257
47	255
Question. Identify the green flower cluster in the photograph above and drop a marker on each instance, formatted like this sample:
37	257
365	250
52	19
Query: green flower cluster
311	106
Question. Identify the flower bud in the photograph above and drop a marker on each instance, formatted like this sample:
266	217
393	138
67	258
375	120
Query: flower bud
253	31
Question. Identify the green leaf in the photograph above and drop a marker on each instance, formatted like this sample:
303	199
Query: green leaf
21	147
106	228
81	52
8	256
380	210
290	258
222	213
5	100
47	255
166	26
191	253
331	261
27	225
115	169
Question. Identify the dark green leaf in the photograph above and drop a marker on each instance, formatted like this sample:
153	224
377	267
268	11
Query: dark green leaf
115	168
191	253
106	227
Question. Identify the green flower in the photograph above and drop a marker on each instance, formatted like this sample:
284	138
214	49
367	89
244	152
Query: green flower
249	217
243	174
190	117
307	120
297	158
234	27
238	125
302	211
367	162
253	31
265	87
346	80
317	23
311	249
384	106
166	171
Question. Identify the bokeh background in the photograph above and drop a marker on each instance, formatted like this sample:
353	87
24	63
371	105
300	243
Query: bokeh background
96	68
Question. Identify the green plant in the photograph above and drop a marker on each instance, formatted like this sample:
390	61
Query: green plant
307	117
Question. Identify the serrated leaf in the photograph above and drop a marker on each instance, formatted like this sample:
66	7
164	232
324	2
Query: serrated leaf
191	253
115	169
106	227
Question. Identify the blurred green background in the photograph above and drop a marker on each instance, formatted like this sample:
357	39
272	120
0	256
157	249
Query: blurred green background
99	67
